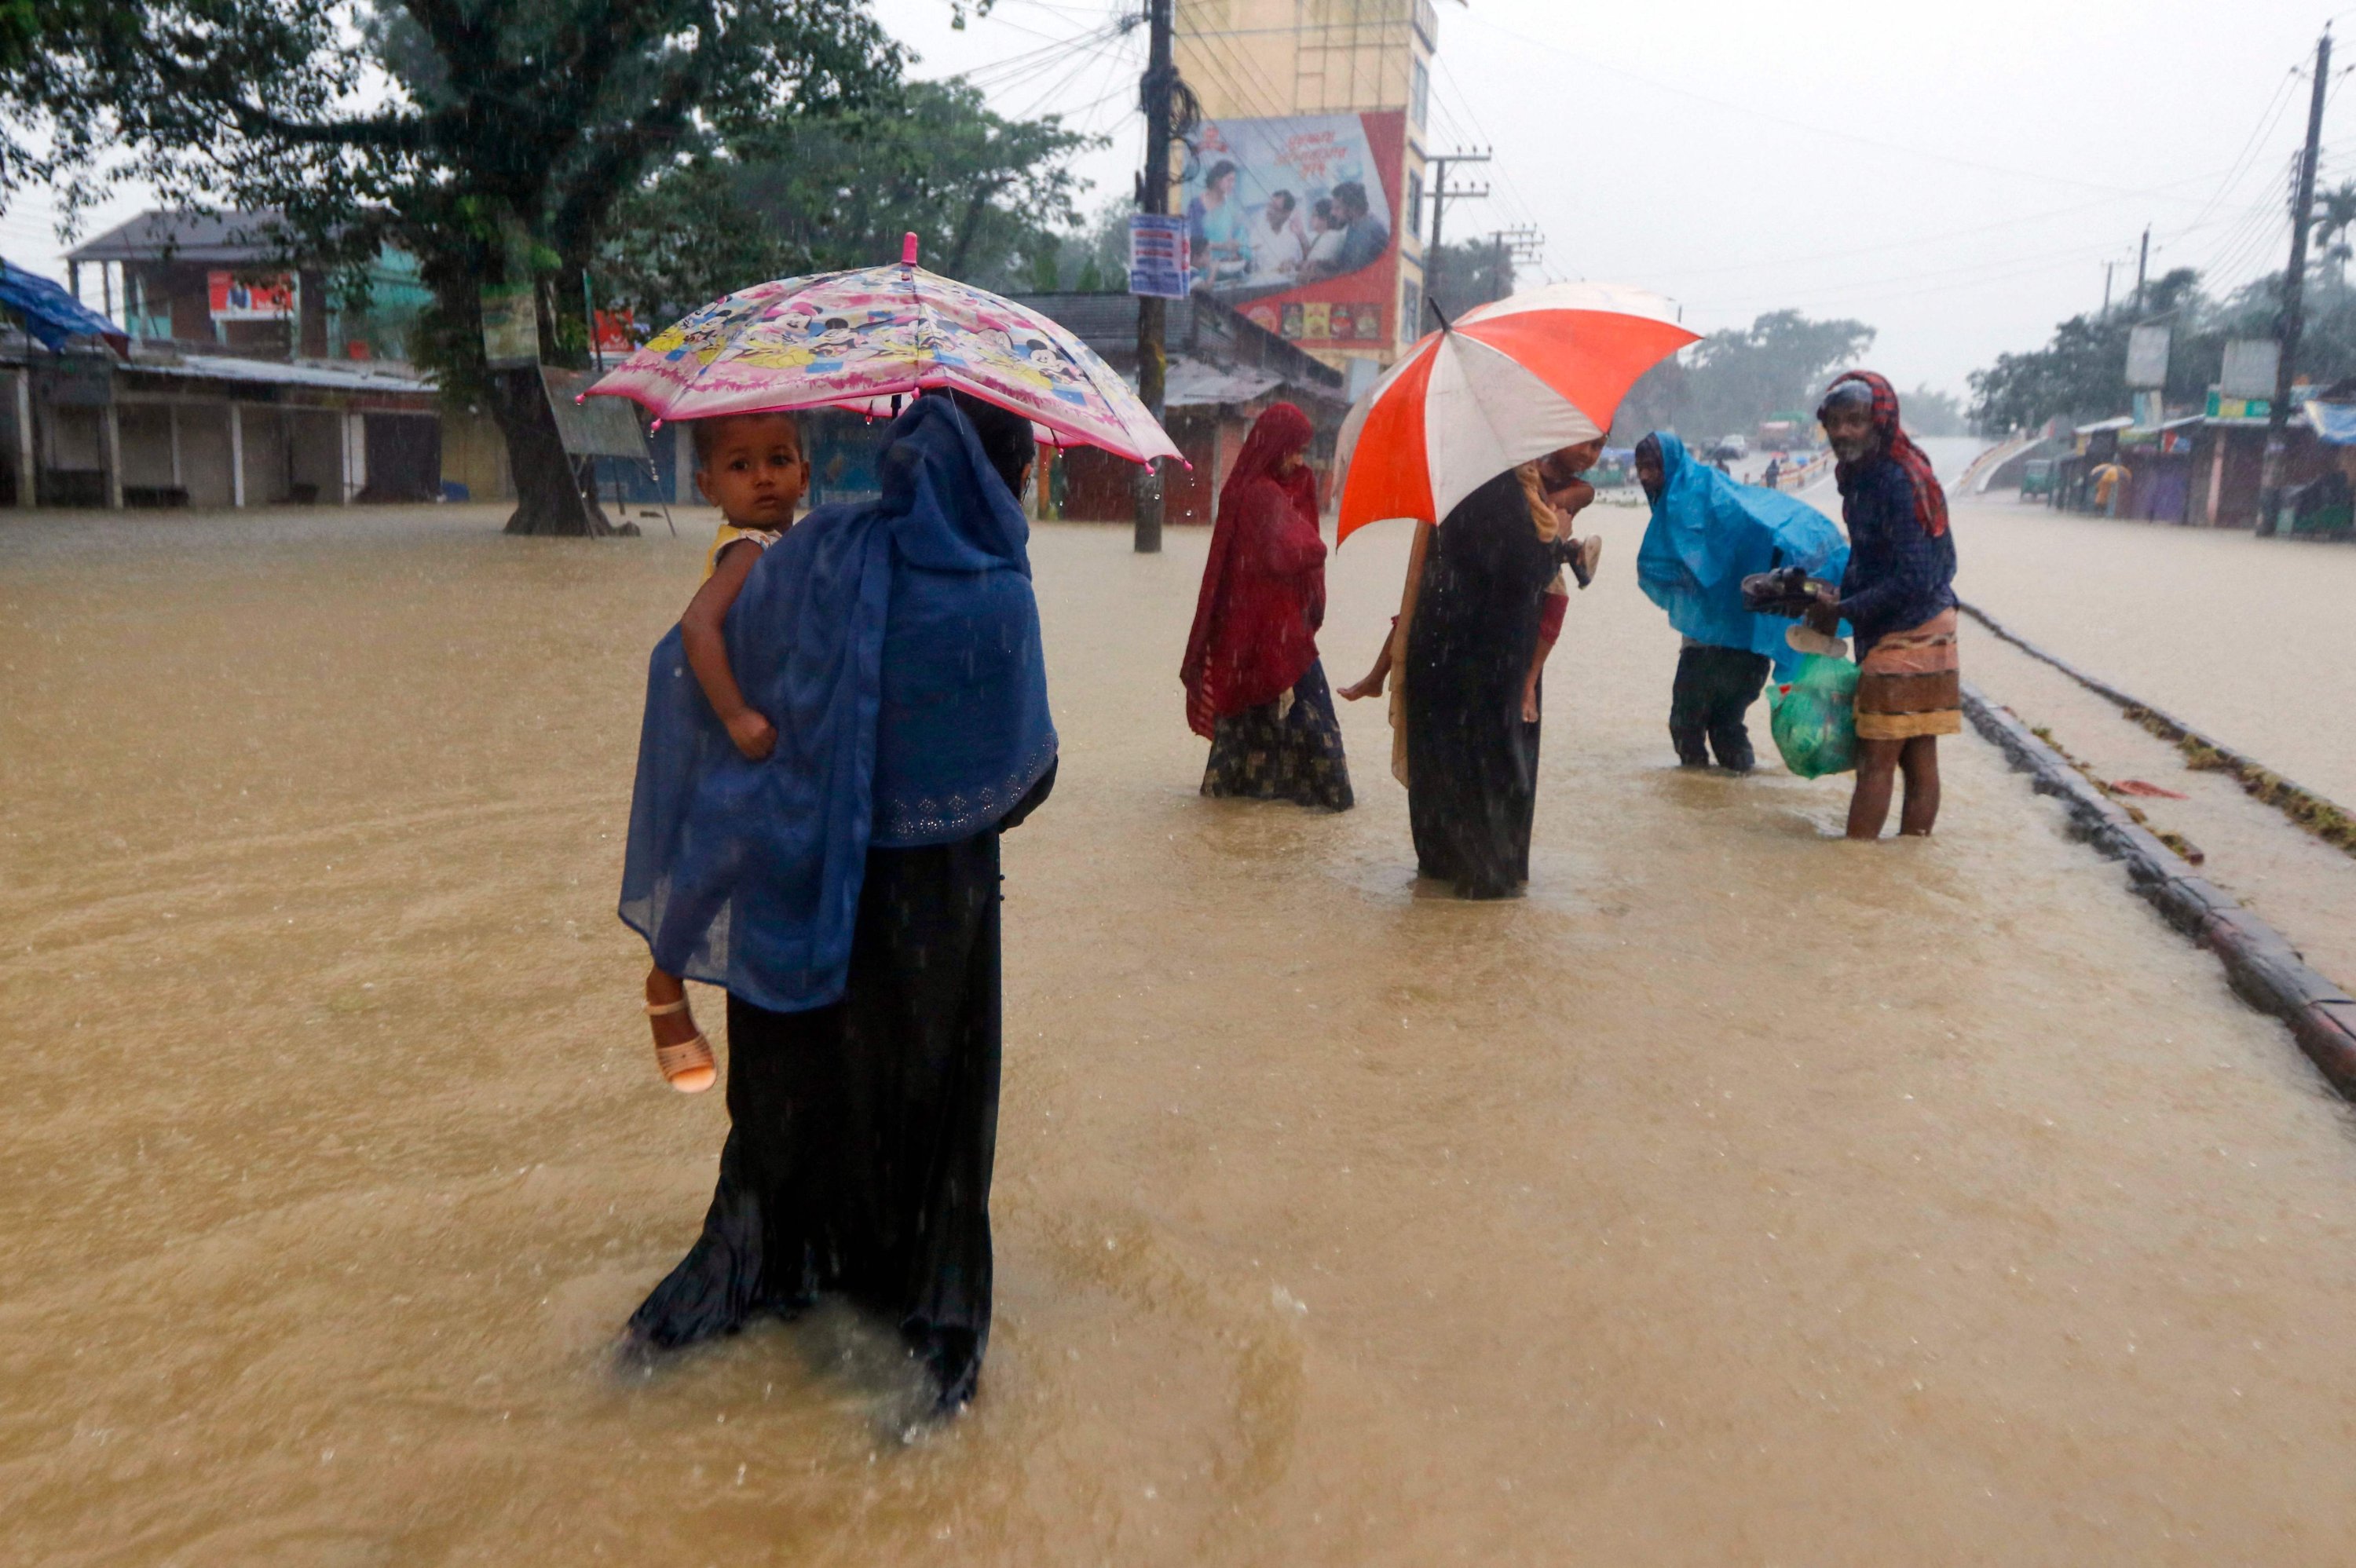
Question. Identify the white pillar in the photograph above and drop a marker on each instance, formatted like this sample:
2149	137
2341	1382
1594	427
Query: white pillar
355	456
236	455
172	412
114	458
2216	473
28	451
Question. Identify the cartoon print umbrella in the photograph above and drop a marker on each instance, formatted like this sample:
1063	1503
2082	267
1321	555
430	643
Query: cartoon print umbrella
863	339
1504	383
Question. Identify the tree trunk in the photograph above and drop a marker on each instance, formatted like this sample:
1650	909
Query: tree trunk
549	497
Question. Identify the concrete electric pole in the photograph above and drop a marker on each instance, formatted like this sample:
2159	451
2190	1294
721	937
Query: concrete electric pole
1441	196
1520	246
1152	314
2302	213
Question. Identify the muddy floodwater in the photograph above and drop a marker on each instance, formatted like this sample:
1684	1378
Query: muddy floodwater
1741	1195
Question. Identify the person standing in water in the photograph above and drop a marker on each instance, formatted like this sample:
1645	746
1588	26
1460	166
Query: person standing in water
845	888
1255	689
1467	636
1707	534
1898	595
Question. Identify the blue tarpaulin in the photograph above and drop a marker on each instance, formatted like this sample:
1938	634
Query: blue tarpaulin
2335	424
49	312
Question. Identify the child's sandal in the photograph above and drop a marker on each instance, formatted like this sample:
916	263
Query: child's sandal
687	1066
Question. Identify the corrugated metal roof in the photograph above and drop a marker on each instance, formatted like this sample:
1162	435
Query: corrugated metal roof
185	237
1193	384
370	376
2123	421
1105	321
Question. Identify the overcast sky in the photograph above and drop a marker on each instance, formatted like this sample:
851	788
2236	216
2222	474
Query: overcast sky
1954	176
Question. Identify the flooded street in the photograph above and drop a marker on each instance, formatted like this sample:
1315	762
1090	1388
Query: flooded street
2248	638
1741	1195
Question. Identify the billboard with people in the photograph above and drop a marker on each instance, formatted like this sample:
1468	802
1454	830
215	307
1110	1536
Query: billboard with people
1295	222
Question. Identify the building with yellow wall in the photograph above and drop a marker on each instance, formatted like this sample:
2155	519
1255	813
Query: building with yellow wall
1275	58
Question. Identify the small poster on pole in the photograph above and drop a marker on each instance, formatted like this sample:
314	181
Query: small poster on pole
1157	256
510	325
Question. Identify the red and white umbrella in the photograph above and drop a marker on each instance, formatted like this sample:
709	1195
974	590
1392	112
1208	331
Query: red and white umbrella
1504	383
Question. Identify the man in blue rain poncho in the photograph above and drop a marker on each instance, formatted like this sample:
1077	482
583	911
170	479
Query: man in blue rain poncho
1708	533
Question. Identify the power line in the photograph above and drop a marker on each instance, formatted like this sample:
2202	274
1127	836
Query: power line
1260	96
1516	209
1846	134
2268	118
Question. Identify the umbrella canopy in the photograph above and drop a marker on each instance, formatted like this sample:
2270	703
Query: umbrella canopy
1505	383
861	340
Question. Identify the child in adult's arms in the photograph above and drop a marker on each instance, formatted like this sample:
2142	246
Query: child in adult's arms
751	466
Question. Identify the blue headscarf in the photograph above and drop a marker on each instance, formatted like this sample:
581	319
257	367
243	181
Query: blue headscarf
895	647
1708	533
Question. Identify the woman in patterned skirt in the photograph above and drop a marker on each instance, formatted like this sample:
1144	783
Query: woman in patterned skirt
1254	687
1899	597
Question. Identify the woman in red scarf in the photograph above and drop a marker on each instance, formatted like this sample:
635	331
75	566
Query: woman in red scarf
1254	687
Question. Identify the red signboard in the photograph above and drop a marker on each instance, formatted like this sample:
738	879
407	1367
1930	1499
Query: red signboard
237	297
617	331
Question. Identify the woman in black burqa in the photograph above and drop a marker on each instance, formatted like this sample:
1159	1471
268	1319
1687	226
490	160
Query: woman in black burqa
1471	623
862	1131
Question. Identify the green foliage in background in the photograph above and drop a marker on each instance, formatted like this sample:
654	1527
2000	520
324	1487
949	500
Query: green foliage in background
988	199
1458	277
1730	382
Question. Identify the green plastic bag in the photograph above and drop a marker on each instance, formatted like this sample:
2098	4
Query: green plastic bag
1813	719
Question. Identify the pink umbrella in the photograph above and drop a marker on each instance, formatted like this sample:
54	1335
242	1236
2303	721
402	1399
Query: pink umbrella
863	339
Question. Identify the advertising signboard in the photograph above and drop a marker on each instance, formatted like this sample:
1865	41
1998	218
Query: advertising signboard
618	333
1295	222
235	297
2250	366
2147	356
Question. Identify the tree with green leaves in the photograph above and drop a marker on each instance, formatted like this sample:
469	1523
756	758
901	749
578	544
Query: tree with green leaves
498	144
2081	373
987	197
2335	214
1731	380
1459	276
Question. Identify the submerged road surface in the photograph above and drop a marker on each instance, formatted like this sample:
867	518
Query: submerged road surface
1741	1195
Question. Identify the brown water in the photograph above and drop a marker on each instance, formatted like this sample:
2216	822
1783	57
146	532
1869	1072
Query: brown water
2252	640
1743	1195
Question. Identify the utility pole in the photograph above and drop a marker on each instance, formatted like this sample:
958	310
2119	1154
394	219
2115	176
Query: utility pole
2143	265
1517	247
1152	314
2302	211
1441	196
2107	268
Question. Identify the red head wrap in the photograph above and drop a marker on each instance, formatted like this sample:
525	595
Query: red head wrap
1255	634
1930	500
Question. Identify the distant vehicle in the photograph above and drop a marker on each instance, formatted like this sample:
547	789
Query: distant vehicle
1732	447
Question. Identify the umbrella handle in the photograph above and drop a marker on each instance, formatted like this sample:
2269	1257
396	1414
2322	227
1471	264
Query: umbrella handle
908	250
